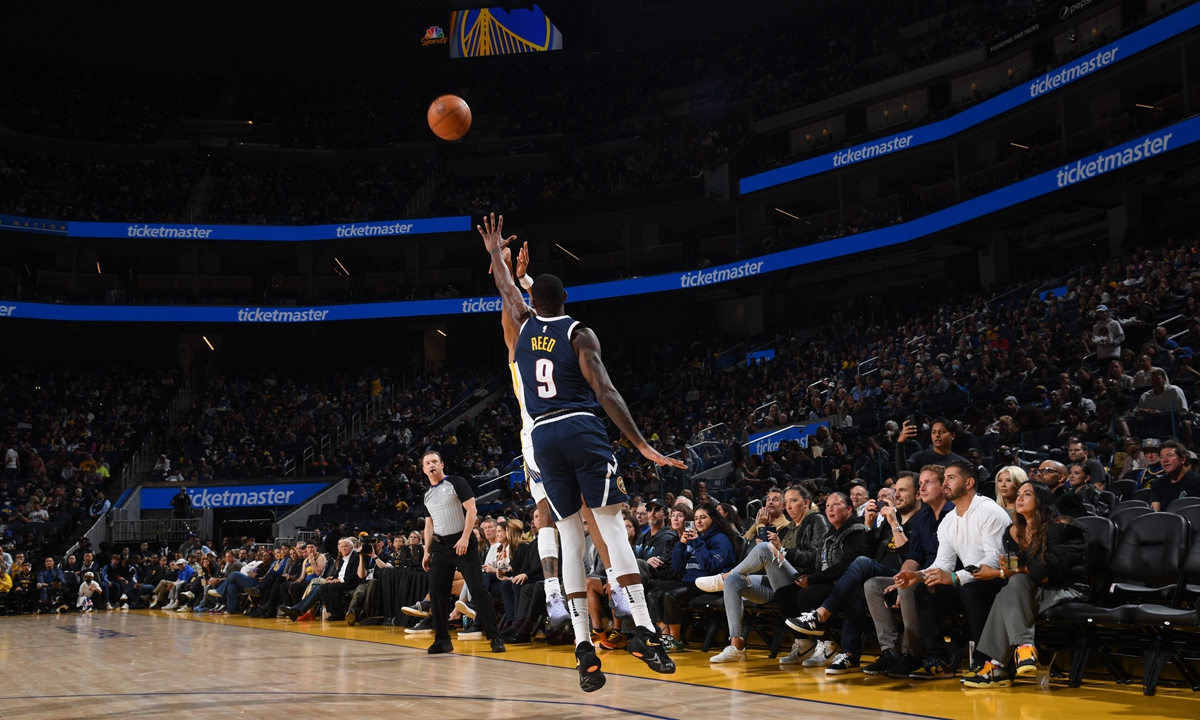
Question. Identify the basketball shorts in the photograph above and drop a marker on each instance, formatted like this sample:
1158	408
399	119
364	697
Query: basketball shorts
576	461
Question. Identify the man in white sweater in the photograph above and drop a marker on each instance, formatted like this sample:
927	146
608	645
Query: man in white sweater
973	535
88	589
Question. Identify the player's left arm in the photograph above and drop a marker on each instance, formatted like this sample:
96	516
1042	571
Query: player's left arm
587	349
495	242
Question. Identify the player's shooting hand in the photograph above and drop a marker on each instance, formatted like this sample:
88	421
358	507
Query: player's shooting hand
658	458
491	230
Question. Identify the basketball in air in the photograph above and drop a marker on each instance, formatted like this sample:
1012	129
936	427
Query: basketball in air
449	117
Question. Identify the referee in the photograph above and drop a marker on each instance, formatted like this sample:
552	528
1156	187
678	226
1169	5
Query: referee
450	545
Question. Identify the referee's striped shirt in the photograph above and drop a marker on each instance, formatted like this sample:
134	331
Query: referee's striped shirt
443	503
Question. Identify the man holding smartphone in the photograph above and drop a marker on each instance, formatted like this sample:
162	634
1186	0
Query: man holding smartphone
770	518
941	433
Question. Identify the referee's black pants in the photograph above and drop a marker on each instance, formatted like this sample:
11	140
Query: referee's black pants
442	564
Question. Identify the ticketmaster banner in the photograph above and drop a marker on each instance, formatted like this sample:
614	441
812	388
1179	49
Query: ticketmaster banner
268	233
234	496
769	442
1165	29
1170	138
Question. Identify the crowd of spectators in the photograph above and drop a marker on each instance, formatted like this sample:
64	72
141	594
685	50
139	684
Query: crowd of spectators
310	195
70	187
66	435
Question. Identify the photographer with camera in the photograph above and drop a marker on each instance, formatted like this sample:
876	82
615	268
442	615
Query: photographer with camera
369	560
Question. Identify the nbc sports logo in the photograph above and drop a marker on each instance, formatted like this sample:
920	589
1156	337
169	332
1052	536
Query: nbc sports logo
434	36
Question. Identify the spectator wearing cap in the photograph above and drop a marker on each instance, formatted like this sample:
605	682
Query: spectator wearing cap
1107	334
89	593
1184	368
1177	481
1152	470
653	548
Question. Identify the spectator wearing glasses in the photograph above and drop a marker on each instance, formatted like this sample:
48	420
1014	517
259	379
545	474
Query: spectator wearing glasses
1051	551
973	535
655	546
1054	475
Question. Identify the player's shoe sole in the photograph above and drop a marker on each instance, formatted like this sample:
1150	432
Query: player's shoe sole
591	678
645	646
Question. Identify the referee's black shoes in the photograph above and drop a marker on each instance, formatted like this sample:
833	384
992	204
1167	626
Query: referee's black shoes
498	645
441	646
591	678
646	646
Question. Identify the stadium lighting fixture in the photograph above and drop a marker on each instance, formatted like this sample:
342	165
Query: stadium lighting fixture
98	270
1019	145
442	333
343	267
206	342
560	247
1145	107
785	212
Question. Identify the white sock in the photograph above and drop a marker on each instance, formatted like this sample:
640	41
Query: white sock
637	603
580	621
553	587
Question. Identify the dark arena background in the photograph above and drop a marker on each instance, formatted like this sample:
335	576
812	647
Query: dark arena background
910	289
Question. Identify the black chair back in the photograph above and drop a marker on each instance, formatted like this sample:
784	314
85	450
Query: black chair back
1130	503
1151	549
1123	489
1101	543
1145	495
1107	503
1191	514
1123	516
1183	503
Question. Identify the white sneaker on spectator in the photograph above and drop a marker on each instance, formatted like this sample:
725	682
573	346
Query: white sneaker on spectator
802	648
182	608
108	606
465	609
171	605
124	597
729	654
188	594
711	583
826	651
153	602
213	592
124	606
556	609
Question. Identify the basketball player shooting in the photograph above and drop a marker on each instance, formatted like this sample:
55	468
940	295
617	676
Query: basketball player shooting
547	540
570	447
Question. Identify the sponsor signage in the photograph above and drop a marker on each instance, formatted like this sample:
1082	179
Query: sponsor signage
1054	14
233	496
1170	138
259	233
769	442
1111	54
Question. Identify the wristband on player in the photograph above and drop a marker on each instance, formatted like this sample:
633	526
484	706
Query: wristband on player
525	282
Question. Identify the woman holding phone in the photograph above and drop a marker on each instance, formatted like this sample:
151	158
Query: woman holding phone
1050	552
704	548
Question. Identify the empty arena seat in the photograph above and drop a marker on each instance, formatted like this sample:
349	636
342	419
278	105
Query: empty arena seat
1123	489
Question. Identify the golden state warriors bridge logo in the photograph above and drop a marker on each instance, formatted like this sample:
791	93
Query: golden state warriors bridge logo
493	31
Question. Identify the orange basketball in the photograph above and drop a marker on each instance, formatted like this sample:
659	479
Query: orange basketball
449	117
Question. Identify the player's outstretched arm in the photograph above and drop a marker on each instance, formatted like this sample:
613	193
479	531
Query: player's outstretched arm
495	242
587	349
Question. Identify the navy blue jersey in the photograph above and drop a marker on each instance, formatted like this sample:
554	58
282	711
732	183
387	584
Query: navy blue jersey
548	369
